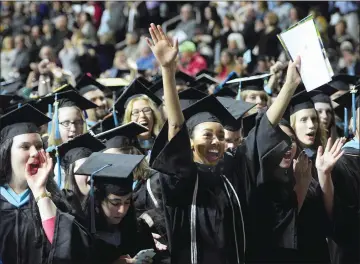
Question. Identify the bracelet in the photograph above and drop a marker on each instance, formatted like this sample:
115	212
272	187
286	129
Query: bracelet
43	195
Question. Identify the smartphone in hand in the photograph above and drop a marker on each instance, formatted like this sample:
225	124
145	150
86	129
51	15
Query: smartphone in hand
144	255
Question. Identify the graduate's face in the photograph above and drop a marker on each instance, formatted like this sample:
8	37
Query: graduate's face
71	123
98	98
208	143
81	180
306	126
142	114
324	112
290	154
232	138
24	147
115	207
257	97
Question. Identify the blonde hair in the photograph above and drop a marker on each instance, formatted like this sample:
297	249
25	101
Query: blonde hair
158	121
7	41
320	136
264	95
52	141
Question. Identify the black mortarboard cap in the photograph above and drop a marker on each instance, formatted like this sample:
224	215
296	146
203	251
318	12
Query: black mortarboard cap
122	72
192	93
65	99
157	88
298	102
7	100
11	87
255	82
322	94
79	147
144	81
106	124
23	120
342	81
183	78
237	109
206	71
135	89
64	88
227	92
87	84
203	87
111	173
208	109
122	136
204	78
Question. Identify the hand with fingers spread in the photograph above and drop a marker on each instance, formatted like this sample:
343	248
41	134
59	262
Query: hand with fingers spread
164	51
159	246
37	171
325	160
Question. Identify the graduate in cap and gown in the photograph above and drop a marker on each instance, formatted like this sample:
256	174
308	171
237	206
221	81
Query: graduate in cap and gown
216	194
35	225
147	194
346	180
110	209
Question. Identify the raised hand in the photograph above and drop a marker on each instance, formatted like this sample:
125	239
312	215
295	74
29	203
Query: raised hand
302	169
164	51
325	160
292	75
37	171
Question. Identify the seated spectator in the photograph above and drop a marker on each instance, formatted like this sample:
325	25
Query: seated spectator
34	18
185	30
268	42
36	42
227	29
120	63
236	43
48	34
62	31
69	58
227	64
22	57
351	62
87	28
7	57
191	62
147	59
131	48
341	35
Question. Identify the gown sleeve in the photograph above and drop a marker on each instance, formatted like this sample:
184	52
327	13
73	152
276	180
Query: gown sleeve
263	149
174	161
71	243
346	213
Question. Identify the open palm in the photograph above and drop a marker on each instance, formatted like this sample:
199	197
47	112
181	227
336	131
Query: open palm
325	160
164	51
37	178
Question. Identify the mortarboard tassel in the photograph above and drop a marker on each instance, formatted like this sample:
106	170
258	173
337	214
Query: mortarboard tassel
56	117
238	96
19	105
346	125
58	167
221	85
50	116
85	114
92	199
116	122
353	110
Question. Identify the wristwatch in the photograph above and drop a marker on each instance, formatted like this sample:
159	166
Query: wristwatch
43	195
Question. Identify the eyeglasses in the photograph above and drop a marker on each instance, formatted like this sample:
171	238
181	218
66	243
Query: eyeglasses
145	110
76	123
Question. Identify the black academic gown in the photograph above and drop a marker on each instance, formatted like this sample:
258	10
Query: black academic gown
221	221
18	243
148	204
346	212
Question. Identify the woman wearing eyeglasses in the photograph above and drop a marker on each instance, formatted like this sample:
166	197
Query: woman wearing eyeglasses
143	111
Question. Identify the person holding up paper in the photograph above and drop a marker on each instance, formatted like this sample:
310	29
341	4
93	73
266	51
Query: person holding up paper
316	69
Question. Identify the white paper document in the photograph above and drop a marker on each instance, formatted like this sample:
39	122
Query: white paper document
302	40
